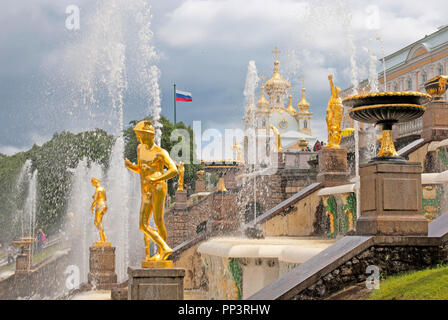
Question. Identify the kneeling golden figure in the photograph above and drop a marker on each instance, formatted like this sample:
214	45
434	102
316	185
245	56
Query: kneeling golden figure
151	161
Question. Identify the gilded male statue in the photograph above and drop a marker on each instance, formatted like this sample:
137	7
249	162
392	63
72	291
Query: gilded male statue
151	161
335	111
99	208
181	171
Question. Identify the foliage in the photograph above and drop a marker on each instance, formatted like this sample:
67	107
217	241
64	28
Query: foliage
236	271
332	207
429	284
52	161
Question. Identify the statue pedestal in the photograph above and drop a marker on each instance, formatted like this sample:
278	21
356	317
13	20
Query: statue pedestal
156	283
102	266
199	186
23	262
435	121
181	199
333	169
391	200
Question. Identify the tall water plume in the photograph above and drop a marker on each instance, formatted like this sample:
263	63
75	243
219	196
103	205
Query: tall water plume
116	46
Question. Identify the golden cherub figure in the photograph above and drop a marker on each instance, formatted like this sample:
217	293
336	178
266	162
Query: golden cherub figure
99	208
335	111
239	151
181	171
151	161
277	139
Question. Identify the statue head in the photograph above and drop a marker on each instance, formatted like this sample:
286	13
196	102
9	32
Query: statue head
144	131
95	181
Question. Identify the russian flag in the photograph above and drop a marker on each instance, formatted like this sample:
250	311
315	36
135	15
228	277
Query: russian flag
183	96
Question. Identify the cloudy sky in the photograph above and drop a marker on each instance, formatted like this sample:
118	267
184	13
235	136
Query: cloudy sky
52	78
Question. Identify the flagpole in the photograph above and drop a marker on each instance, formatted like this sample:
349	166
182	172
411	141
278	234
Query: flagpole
174	105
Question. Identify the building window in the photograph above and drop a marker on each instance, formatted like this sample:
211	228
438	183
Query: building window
305	124
440	70
424	77
409	84
395	87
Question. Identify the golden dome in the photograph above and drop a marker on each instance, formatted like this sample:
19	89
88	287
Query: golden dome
276	83
290	108
262	103
303	105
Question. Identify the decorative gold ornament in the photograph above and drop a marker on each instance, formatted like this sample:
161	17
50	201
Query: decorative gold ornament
303	144
303	105
277	139
221	185
436	87
283	124
151	161
262	103
331	216
335	111
99	208
181	171
290	108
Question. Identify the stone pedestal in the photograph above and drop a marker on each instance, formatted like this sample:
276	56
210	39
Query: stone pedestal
435	121
391	200
181	199
23	261
333	169
156	283
278	159
199	186
102	267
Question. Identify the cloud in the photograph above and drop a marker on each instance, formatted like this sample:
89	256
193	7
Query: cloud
11	150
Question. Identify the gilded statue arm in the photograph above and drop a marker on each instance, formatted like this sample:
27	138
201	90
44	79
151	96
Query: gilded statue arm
171	168
95	199
330	77
133	167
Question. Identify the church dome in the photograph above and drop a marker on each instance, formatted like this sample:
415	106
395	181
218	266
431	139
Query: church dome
277	85
303	105
262	103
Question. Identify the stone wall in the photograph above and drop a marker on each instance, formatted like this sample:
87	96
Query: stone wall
182	224
297	220
191	261
389	259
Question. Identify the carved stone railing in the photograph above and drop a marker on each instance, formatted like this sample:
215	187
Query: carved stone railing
404	129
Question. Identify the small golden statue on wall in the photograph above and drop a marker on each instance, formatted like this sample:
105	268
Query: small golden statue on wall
99	208
277	139
335	111
181	171
239	151
151	161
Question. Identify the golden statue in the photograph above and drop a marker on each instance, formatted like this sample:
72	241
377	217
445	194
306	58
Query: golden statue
239	151
99	208
277	139
181	170
335	111
151	161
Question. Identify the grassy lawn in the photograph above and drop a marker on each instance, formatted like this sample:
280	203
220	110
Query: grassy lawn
429	284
